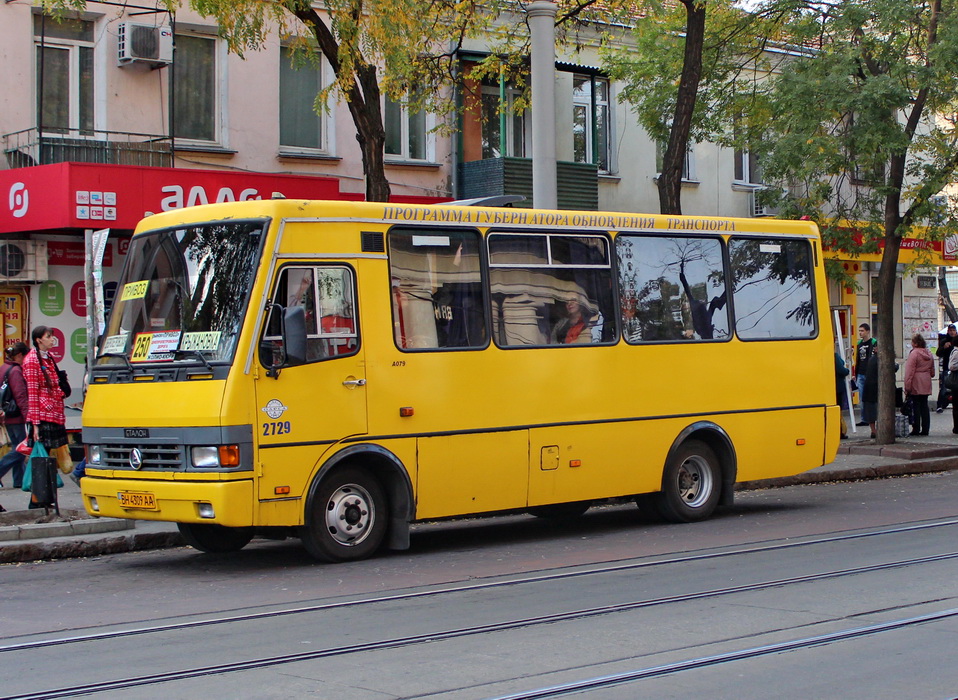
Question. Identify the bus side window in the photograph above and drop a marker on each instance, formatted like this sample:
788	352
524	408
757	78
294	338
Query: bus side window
772	288
550	289
327	294
672	288
437	296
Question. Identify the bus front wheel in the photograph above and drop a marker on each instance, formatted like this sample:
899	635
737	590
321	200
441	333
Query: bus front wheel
215	539
690	484
347	518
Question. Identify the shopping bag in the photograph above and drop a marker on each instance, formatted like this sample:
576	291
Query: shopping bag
25	447
39	474
64	462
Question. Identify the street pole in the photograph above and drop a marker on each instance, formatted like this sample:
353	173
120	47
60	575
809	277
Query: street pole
542	14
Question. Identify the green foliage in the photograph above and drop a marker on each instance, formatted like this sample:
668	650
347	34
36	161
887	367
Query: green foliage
860	123
649	64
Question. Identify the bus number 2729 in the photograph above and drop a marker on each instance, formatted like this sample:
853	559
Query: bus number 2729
281	427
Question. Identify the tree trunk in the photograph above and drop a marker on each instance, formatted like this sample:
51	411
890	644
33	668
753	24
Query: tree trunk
363	101
371	135
887	275
673	162
950	313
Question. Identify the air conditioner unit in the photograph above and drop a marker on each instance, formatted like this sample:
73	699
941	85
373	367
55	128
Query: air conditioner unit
756	209
144	43
23	261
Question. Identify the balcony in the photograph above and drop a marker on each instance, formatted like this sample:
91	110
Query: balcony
27	148
578	183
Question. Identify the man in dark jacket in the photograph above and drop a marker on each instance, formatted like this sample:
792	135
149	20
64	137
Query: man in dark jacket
863	352
946	343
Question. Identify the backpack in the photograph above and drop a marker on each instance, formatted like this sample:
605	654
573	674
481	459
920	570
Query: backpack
8	404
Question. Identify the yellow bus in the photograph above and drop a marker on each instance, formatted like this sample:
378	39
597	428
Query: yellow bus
337	371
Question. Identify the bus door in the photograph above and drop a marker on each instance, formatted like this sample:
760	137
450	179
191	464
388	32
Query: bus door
309	407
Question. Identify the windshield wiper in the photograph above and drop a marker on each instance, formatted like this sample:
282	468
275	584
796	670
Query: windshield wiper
121	355
194	353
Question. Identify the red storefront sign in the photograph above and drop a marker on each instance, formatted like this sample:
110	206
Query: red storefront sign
88	195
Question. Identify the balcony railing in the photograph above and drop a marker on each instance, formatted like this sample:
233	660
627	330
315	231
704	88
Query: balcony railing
27	148
577	183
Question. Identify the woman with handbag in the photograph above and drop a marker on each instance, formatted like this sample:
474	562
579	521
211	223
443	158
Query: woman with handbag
919	371
14	417
45	413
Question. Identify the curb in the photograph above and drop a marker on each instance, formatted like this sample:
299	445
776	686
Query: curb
69	528
886	471
37	550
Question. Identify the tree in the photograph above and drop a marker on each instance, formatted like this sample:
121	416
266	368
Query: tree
404	49
863	134
693	71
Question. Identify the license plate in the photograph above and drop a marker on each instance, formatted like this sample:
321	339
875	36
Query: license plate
129	499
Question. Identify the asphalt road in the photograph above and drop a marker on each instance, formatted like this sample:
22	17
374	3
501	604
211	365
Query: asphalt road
838	590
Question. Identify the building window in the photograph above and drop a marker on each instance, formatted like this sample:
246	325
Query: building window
407	133
688	167
747	168
495	144
591	121
195	88
64	74
299	84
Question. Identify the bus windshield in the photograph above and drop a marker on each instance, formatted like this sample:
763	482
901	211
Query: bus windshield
182	294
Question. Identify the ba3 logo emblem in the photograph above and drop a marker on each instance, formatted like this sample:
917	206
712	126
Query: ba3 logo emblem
275	410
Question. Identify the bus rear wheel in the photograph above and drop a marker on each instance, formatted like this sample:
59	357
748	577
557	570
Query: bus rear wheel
215	539
347	518
691	484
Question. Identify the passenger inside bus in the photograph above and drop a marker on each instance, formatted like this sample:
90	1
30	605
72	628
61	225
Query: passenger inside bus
579	324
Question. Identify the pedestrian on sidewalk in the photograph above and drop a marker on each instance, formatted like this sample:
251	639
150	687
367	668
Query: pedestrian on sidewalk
953	368
919	371
841	371
15	422
863	352
946	344
46	414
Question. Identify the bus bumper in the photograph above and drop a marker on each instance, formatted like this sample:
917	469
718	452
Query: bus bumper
228	503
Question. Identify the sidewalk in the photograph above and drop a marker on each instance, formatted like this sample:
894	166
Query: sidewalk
75	534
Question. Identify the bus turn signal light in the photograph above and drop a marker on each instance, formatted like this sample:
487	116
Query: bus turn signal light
800	441
229	456
281	490
406	411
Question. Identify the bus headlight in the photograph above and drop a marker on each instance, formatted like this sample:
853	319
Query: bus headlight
93	454
205	457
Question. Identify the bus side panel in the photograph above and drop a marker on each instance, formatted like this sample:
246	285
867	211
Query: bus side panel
776	443
477	473
584	462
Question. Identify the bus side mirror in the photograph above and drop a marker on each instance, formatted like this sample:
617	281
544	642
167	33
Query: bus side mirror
294	335
292	349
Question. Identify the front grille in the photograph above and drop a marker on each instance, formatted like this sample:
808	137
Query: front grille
155	457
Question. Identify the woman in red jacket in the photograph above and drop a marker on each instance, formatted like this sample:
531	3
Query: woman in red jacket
919	371
45	412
